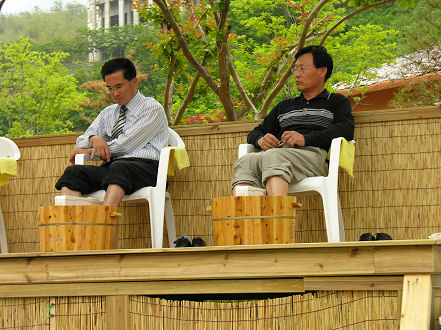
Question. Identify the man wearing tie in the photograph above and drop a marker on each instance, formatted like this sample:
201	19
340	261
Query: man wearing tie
128	136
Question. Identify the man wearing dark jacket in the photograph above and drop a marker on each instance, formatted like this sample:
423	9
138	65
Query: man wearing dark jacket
296	135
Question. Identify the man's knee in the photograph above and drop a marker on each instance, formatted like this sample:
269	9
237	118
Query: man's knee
72	169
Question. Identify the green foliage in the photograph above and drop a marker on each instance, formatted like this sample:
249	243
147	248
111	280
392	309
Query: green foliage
424	93
422	29
358	50
37	95
77	48
113	41
263	37
423	35
262	43
61	29
361	3
42	27
142	56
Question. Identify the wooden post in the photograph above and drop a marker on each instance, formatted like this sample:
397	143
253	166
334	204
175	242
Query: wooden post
117	313
3	239
416	302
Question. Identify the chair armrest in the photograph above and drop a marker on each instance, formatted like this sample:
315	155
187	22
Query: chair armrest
164	158
246	149
334	157
81	159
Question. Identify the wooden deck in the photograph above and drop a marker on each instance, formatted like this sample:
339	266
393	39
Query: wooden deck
413	266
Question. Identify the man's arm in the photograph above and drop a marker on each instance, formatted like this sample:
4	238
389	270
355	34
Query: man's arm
79	151
264	135
97	128
92	141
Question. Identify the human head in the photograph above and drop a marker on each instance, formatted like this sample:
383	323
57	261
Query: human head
119	74
119	64
321	58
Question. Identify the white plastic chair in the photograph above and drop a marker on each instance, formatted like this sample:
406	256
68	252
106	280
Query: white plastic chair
7	149
159	200
326	186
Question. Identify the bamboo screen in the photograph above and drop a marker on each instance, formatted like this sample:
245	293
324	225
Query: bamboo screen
397	185
320	310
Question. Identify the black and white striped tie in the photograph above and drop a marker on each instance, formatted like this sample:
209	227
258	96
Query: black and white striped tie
118	127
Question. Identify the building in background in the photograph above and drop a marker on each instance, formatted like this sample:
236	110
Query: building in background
107	13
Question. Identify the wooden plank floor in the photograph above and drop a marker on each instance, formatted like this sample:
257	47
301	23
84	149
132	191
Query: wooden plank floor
228	269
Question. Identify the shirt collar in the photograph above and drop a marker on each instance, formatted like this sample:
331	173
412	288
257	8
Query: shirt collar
323	95
133	101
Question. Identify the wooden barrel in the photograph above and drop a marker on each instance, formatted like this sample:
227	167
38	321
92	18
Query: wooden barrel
248	220
78	227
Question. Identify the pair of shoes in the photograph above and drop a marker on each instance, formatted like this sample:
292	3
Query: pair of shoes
370	237
184	241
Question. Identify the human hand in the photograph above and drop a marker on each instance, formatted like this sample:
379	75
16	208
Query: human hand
292	139
79	151
100	148
269	141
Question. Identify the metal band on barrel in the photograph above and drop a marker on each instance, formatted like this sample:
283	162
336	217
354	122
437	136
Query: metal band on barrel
78	223
258	217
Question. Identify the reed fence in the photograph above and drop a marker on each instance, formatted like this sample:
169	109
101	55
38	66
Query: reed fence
397	185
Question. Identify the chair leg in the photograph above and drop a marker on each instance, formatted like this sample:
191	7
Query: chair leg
3	239
341	226
170	222
156	208
333	218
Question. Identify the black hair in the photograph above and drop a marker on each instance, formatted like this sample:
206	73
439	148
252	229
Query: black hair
119	64
321	58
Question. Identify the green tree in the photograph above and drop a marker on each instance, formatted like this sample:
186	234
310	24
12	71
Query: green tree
424	45
113	41
37	95
41	27
248	71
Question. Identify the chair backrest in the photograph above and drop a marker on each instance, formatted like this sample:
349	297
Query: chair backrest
174	139
8	148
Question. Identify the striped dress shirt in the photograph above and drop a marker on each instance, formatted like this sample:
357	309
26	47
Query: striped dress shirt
144	134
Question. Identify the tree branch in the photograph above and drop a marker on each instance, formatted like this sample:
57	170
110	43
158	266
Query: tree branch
265	83
190	94
379	3
239	86
186	51
288	73
224	76
169	87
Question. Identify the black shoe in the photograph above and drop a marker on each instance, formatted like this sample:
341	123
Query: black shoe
367	237
182	241
197	241
383	237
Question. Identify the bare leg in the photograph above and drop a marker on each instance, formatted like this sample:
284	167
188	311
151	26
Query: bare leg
114	195
68	192
276	186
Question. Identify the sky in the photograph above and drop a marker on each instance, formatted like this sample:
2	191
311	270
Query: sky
17	6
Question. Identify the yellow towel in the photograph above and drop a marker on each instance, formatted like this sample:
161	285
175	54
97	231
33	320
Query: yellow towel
181	158
8	167
347	154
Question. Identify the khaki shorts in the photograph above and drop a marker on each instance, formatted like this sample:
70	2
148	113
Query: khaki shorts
291	164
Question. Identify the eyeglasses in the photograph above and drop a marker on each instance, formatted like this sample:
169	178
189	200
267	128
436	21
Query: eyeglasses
117	88
302	69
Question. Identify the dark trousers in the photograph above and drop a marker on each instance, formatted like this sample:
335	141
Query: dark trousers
129	173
